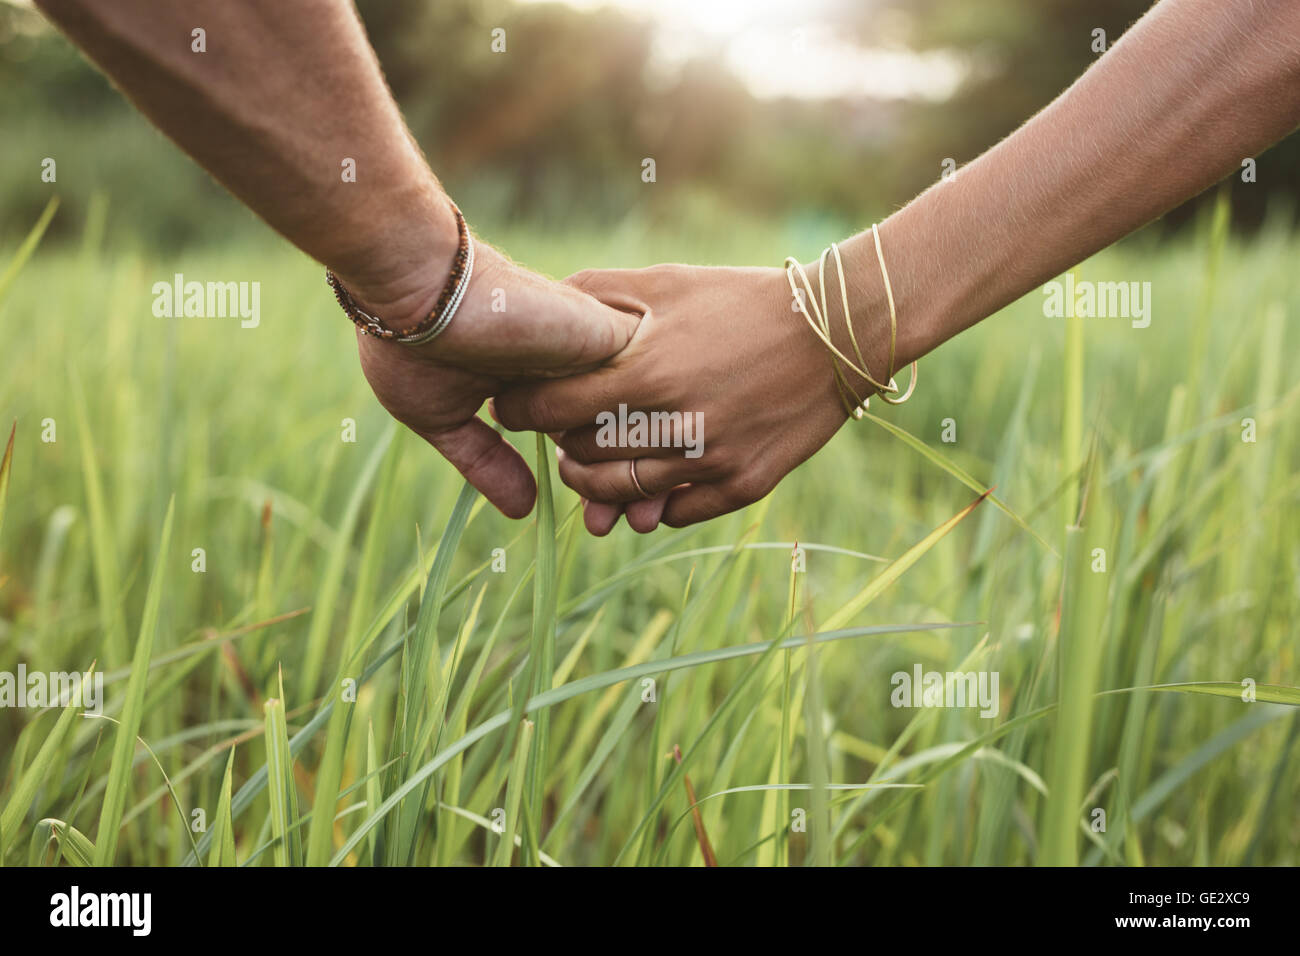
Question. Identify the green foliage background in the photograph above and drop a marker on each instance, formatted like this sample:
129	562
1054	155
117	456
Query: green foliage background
229	439
576	103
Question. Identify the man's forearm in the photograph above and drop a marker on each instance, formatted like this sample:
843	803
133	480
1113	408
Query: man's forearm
1193	89
285	94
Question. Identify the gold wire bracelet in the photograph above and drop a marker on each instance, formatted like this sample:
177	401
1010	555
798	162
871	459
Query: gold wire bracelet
821	327
893	329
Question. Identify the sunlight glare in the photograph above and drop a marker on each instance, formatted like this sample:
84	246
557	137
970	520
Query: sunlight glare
782	49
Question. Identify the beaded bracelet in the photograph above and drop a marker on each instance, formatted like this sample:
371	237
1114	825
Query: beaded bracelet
443	310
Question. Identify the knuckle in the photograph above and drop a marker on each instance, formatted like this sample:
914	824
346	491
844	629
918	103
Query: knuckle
605	488
586	279
580	446
539	412
576	450
746	489
722	462
592	484
659	385
714	470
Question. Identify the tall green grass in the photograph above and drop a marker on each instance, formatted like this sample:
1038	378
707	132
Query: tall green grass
373	667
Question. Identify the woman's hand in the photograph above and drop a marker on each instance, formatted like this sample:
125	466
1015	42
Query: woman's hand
512	325
723	344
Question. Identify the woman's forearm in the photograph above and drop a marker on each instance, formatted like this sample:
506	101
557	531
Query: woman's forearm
1190	91
281	101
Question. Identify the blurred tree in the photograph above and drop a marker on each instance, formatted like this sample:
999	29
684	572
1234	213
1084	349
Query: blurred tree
547	112
542	99
1021	54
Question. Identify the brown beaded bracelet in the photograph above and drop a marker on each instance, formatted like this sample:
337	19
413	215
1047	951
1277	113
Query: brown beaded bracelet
439	317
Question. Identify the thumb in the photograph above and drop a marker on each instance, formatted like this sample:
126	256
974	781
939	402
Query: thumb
489	463
539	327
614	289
599	326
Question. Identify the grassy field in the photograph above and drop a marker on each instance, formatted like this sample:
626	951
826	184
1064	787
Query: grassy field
351	672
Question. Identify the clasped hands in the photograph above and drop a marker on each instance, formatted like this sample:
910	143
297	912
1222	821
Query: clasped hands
720	344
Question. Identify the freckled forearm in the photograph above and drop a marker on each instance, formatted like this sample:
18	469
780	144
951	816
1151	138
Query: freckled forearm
280	96
1191	91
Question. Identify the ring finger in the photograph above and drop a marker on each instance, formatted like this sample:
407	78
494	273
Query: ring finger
627	480
584	444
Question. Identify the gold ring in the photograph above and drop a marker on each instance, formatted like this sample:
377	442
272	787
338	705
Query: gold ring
631	469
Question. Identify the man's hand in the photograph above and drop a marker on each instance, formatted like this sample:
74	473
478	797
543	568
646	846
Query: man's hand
718	341
290	92
512	325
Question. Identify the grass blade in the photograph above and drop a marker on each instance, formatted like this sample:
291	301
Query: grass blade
327	594
119	776
74	846
701	835
282	791
542	653
223	835
329	773
1080	646
28	246
952	468
418	669
108	577
518	781
30	780
881	582
597	682
5	464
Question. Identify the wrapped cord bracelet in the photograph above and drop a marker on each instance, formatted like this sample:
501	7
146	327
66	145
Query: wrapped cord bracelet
443	311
